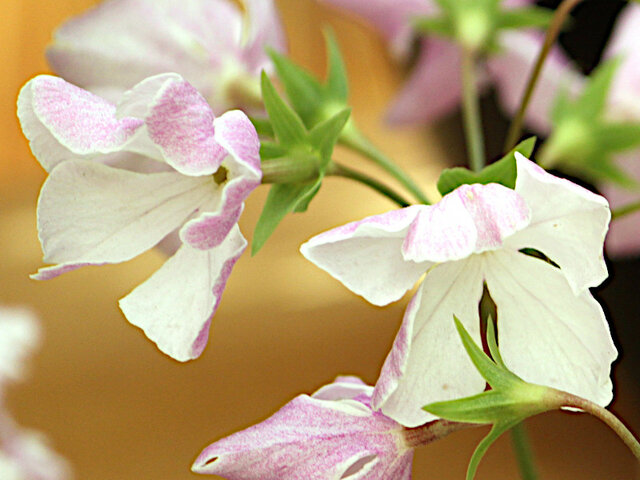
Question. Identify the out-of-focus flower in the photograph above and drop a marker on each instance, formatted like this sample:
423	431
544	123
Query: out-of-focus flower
551	330
434	88
210	43
331	434
90	212
24	454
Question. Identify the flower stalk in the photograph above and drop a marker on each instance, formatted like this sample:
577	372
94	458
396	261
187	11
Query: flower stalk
471	111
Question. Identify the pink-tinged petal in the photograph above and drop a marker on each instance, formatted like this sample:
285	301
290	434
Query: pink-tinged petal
314	439
366	256
510	70
19	335
63	121
391	17
547	334
120	42
623	238
237	137
427	362
434	88
471	219
568	224
175	305
264	30
89	213
344	388
181	124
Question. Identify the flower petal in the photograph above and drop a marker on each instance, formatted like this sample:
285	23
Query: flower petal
312	439
344	388
366	256
510	71
264	30
434	88
241	146
19	335
428	362
568	224
181	124
89	213
50	112
547	334
471	219
175	305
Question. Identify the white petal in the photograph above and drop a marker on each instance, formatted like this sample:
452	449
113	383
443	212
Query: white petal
174	306
366	256
428	362
548	335
91	213
568	224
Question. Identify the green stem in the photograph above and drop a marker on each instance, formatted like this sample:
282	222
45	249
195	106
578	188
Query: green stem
471	112
343	171
353	139
604	415
515	130
523	452
297	169
625	210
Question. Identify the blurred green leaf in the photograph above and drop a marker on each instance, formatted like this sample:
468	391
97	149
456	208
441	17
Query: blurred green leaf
525	17
287	126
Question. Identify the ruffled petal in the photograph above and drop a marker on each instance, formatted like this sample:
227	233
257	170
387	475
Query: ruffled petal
366	256
313	439
510	70
471	219
568	224
175	305
241	146
89	213
62	121
547	334
428	362
434	88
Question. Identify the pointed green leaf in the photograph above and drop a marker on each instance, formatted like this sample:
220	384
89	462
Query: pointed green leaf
617	137
286	124
503	171
497	377
337	86
303	202
304	92
325	135
282	199
527	17
593	99
491	406
497	430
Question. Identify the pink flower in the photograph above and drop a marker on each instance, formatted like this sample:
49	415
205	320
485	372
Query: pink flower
210	43
550	329
434	88
186	171
331	434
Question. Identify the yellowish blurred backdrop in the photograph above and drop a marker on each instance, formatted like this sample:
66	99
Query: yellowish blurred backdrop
119	409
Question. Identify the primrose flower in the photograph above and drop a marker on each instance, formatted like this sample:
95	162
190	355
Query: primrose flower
122	178
434	87
550	329
210	43
331	434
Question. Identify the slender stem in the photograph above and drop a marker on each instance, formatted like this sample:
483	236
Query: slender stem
471	111
604	415
343	171
515	130
625	210
524	453
356	141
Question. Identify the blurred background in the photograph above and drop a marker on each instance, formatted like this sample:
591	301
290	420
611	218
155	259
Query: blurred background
119	409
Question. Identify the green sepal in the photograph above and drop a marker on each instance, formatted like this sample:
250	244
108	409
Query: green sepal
263	126
440	26
325	135
617	137
484	408
599	166
526	17
503	171
593	100
496	431
337	84
287	125
270	150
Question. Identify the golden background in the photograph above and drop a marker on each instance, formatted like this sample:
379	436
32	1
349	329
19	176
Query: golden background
119	409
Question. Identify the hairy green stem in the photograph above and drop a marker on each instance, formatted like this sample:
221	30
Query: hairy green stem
523	452
356	141
343	171
471	112
515	130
